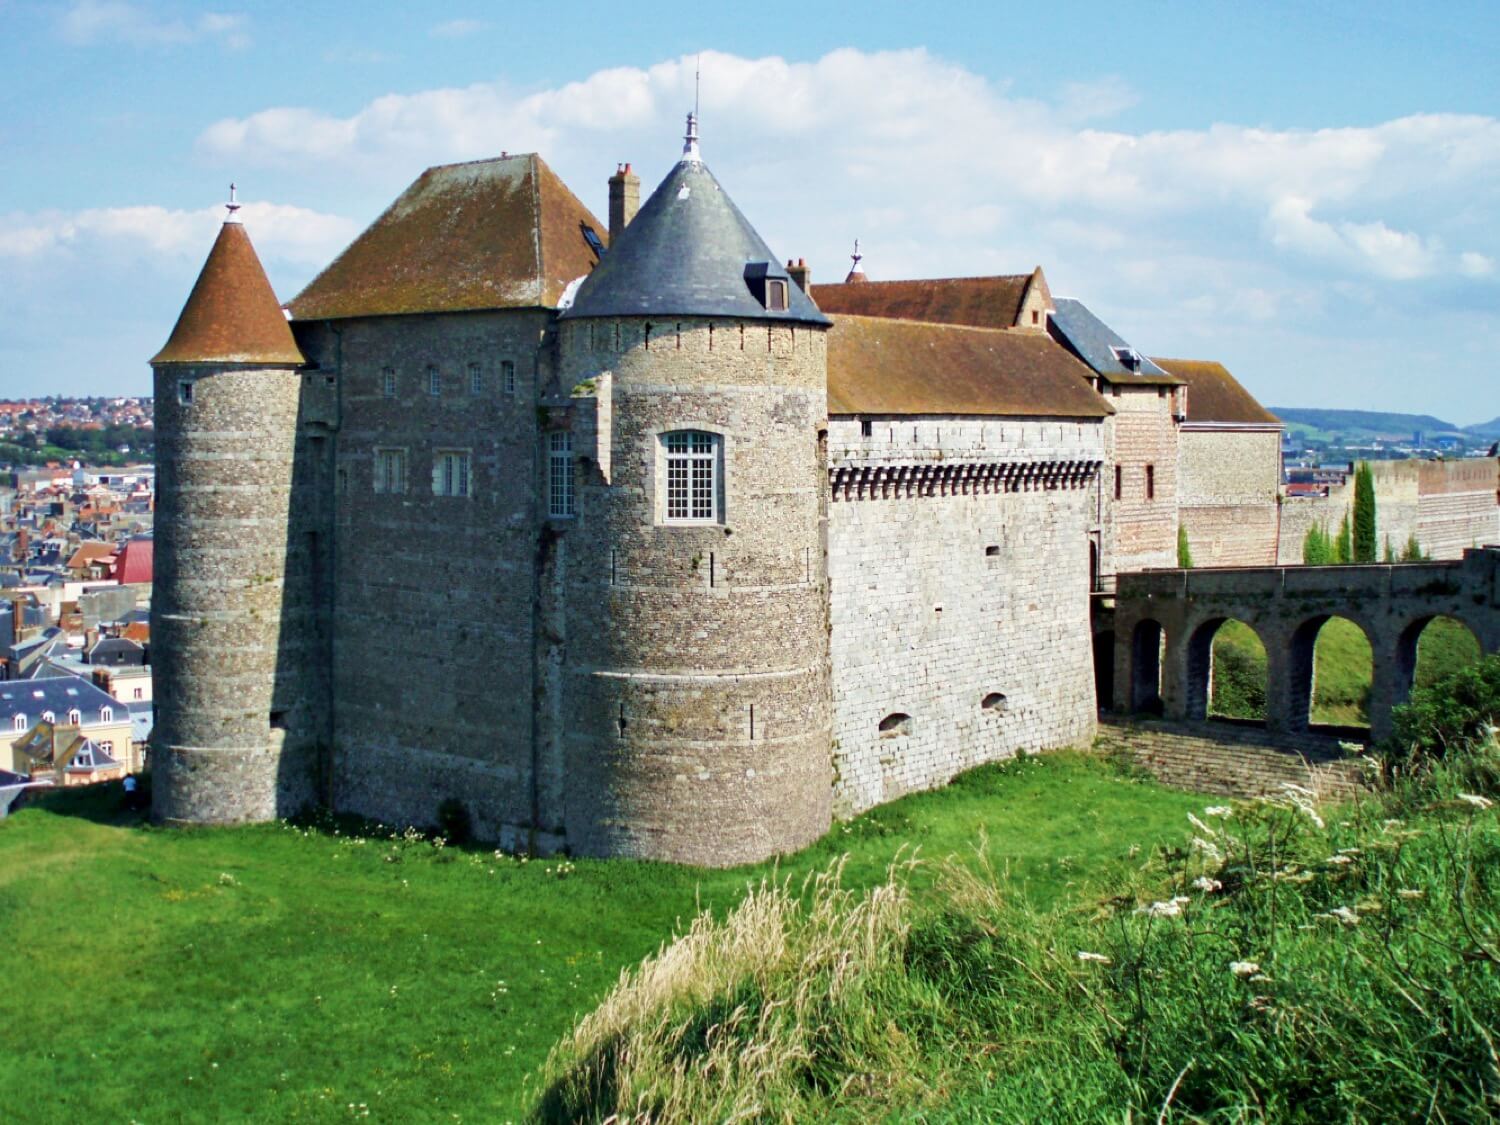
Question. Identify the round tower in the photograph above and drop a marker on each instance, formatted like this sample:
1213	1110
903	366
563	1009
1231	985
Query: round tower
697	676
227	390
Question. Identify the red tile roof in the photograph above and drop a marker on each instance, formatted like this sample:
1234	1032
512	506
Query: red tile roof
979	302
134	562
232	314
489	234
882	366
1214	395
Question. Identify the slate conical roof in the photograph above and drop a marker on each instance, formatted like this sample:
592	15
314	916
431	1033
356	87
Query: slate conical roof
232	314
685	254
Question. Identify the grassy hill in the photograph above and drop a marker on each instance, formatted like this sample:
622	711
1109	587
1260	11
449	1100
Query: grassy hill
1370	422
323	973
1485	429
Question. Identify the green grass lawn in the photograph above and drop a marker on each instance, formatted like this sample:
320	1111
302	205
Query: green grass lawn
274	973
1341	682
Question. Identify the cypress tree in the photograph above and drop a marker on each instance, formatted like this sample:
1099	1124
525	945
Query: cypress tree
1315	546
1184	550
1412	552
1343	546
1390	552
1364	514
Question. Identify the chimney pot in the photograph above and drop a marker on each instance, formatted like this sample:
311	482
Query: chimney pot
801	273
624	199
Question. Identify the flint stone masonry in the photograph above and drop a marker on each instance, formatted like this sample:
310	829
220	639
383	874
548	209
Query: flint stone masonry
1286	606
952	588
1236	761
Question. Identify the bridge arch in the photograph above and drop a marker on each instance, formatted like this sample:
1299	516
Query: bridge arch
1461	636
1146	643
1301	673
1199	686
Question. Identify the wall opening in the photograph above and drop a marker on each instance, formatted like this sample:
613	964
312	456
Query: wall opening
1104	668
1227	672
895	725
1433	649
1331	668
1145	667
994	701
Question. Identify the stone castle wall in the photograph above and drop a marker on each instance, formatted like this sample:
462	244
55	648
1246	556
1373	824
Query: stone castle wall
1227	495
234	618
432	647
1447	505
1139	530
694	681
958	567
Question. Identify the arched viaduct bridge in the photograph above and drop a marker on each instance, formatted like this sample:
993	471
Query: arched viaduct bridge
1287	606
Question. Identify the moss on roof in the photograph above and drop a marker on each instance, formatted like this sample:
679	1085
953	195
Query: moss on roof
978	302
878	365
232	314
489	234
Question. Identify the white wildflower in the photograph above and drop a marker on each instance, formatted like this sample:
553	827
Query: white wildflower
1243	968
1340	859
1207	885
1207	847
1084	955
1344	915
1476	800
1218	810
1410	892
1199	825
1170	909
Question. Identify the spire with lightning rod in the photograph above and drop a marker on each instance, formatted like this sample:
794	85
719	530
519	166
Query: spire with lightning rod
690	140
232	207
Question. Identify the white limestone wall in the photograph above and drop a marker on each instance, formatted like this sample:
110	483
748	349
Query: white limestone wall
938	601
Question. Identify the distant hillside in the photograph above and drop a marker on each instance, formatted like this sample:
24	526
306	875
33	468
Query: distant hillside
1485	429
1366	421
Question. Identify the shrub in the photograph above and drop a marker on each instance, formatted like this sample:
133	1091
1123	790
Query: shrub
1454	715
1184	549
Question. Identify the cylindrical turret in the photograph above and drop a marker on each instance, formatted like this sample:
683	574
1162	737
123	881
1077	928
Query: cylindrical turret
225	631
697	634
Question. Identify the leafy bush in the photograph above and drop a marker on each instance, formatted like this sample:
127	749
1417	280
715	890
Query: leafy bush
1450	717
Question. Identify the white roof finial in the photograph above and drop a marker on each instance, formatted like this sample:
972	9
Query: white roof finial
232	207
690	140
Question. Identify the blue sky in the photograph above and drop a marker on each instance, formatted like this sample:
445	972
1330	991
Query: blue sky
1309	193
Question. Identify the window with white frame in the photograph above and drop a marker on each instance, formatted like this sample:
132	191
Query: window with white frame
48	717
450	473
19	722
108	748
388	382
476	380
434	380
561	499
106	715
508	375
75	717
390	470
692	476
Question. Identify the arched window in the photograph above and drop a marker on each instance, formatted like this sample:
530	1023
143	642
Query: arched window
994	701
694	476
48	717
75	717
106	715
19	722
894	725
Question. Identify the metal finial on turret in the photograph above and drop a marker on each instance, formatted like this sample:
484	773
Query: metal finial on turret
690	140
855	273
856	256
232	207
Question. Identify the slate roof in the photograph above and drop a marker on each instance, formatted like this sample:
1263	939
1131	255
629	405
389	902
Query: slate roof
232	314
979	302
881	366
85	756
489	234
1094	342
1216	396
686	253
59	695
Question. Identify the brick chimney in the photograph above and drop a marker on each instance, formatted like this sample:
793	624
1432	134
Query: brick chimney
801	273
624	199
17	619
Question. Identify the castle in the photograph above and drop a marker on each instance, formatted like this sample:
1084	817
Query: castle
630	541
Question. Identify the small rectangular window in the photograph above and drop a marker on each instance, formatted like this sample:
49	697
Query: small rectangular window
866	428
508	376
1119	481
450	473
561	499
390	470
185	393
1150	482
776	295
434	380
476	380
388	382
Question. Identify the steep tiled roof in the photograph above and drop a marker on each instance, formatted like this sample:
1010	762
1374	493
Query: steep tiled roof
89	552
689	251
882	366
232	314
134	563
1214	395
1100	346
979	302
490	234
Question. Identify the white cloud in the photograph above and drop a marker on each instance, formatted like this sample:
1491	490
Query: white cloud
282	233
113	21
456	29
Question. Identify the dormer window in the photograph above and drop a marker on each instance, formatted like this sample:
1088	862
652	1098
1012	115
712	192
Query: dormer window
1129	358
769	284
776	295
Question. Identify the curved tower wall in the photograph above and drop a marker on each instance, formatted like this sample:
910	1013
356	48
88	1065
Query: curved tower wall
232	741
697	709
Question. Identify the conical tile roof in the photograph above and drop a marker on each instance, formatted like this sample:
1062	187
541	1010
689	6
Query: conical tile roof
232	314
686	253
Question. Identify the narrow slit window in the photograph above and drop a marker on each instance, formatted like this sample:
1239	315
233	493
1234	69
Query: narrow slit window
508	375
1119	482
1150	482
388	382
185	393
562	500
476	380
434	380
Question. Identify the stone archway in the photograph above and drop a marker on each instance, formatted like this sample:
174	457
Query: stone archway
1146	644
